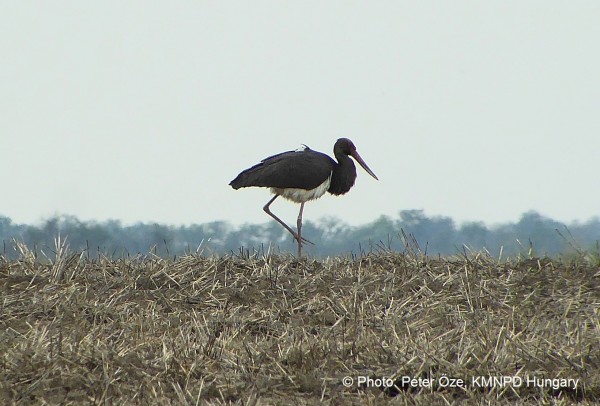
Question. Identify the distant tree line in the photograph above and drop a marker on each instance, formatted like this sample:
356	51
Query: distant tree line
412	229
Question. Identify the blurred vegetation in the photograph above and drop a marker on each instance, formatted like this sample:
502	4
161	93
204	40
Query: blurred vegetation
533	234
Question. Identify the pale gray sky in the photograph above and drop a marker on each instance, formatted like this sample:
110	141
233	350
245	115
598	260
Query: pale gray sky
144	111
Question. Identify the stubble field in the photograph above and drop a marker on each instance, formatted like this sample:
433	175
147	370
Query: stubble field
267	329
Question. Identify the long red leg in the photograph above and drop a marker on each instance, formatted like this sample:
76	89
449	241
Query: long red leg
299	225
292	232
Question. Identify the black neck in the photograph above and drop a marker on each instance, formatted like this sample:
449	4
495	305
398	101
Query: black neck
344	174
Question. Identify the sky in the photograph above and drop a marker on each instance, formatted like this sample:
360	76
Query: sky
143	111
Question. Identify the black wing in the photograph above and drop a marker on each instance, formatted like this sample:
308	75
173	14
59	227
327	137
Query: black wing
293	169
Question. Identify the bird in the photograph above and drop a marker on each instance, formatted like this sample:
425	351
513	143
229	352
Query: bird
303	175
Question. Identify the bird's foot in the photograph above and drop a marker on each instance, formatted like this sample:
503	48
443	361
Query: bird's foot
304	240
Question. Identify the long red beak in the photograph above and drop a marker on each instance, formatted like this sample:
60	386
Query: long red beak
363	164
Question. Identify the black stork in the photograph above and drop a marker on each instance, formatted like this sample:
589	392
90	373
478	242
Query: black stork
304	175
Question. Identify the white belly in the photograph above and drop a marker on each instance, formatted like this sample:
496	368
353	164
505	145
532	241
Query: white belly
303	195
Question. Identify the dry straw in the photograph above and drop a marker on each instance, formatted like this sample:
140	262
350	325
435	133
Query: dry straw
276	330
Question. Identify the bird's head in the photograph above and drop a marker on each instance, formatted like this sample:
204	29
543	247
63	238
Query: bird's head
346	147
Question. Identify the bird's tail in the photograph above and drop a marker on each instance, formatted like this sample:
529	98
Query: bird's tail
239	181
